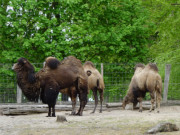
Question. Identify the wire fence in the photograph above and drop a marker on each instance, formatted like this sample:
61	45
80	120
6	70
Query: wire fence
117	77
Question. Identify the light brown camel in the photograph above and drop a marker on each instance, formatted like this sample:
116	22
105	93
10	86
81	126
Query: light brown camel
145	79
95	82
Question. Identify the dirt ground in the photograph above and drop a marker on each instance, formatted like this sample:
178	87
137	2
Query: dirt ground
110	122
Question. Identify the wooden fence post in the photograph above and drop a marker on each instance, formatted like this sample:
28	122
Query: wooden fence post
102	70
102	73
19	95
166	82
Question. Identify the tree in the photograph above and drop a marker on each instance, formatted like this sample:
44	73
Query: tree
166	46
101	30
165	15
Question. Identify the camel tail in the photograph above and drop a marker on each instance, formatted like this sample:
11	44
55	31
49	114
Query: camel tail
158	89
97	83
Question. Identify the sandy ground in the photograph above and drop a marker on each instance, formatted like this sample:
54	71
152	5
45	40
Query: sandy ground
111	122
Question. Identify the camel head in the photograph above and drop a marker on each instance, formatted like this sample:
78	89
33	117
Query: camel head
23	65
26	79
88	67
125	101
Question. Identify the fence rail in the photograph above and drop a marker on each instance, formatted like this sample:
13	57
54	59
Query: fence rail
117	77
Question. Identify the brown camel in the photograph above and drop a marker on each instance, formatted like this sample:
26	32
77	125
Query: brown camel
71	91
95	82
48	81
145	79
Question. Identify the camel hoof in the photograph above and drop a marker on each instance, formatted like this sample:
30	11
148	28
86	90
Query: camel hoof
73	113
78	114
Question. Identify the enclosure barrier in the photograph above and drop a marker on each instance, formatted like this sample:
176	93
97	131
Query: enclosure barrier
117	77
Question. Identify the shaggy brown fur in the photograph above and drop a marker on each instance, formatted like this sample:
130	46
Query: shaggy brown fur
145	79
50	80
72	92
51	62
95	82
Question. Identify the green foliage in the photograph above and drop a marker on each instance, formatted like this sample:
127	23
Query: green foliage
166	46
165	15
103	31
100	31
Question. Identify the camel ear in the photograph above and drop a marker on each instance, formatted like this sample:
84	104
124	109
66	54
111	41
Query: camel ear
88	72
24	61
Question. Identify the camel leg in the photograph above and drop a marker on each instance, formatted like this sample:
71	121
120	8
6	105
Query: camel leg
96	99
158	100
158	106
82	104
73	112
140	99
73	100
78	113
49	113
53	111
82	88
152	101
50	95
101	99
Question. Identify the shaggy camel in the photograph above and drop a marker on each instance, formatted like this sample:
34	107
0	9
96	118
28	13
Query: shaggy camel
134	95
71	91
48	81
95	82
145	79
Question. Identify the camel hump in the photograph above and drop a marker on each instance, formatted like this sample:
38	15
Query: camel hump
72	61
139	65
52	62
153	66
89	63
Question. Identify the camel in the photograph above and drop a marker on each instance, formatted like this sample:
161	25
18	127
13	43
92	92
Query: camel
95	82
71	91
145	79
51	79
